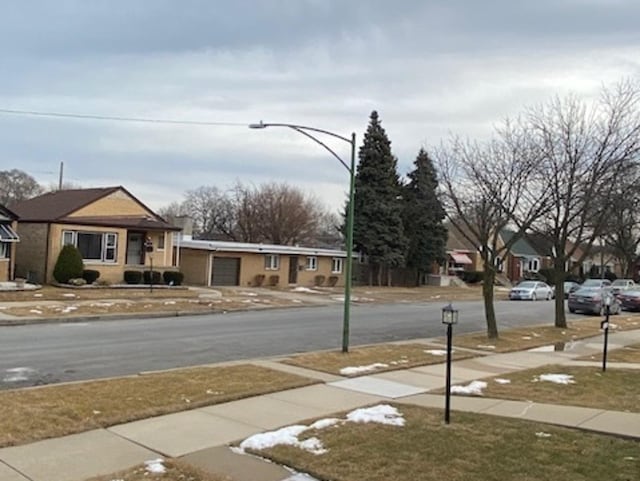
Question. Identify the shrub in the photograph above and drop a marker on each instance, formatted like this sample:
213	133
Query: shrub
90	275
173	278
610	275
69	264
258	280
319	279
132	277
333	280
151	277
273	280
472	277
103	282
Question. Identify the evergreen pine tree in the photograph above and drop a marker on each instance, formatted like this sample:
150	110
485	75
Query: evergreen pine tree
378	230
423	217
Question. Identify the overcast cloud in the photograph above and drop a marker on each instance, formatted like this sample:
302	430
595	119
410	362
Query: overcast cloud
430	68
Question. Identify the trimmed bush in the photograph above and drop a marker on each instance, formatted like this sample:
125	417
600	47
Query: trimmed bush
90	275
472	277
149	276
273	280
319	279
610	275
69	264
173	278
333	280
132	277
258	280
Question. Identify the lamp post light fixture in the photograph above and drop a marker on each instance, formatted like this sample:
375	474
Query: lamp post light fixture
605	326
449	318
351	168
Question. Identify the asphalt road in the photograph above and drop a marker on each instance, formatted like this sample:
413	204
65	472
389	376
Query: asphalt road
49	353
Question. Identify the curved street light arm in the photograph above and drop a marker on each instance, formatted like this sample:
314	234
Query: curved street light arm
263	125
317	141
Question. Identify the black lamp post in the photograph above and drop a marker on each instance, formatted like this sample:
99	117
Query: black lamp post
449	318
351	168
605	325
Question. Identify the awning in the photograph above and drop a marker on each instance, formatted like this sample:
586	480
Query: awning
7	234
460	258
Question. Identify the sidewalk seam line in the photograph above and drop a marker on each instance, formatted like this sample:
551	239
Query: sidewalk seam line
16	470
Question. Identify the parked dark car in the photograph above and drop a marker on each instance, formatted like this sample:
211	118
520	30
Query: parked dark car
569	287
630	300
591	300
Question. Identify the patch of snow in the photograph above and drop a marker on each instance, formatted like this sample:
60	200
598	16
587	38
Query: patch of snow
542	434
96	412
17	374
324	423
68	309
155	466
351	370
437	352
35	311
101	304
526	338
473	388
68	295
382	414
502	381
484	346
37	295
300	477
287	436
556	378
305	289
168	303
251	294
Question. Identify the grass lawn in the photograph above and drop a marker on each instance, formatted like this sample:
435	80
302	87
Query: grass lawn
37	413
616	389
175	471
51	293
528	337
395	356
473	448
624	354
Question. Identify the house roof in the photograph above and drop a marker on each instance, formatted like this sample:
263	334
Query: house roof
456	241
542	245
520	247
258	248
59	205
7	215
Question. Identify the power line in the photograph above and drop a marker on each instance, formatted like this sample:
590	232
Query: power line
37	113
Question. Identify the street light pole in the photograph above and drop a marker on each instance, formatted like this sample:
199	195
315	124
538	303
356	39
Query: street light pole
305	130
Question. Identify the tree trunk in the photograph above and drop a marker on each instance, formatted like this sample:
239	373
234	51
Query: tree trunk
489	309
379	275
559	275
388	276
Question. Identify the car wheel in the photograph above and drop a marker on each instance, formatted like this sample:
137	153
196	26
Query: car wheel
548	296
534	297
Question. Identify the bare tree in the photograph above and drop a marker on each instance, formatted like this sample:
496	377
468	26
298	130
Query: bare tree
202	205
586	152
484	188
16	186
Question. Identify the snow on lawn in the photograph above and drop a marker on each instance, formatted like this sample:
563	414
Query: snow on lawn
351	370
35	311
485	346
155	466
305	289
382	414
557	378
542	434
437	352
502	381
474	388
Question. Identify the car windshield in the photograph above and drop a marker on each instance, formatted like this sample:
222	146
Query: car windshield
527	285
620	282
593	283
588	289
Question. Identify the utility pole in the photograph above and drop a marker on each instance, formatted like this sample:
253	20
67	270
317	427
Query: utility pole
60	178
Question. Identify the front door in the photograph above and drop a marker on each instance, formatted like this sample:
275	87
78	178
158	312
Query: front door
134	248
293	269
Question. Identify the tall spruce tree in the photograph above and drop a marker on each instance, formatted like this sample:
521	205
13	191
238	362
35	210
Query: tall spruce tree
378	230
423	218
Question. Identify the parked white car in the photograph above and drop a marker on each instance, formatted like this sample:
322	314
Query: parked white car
532	291
620	285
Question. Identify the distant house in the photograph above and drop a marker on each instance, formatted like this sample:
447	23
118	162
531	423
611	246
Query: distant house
108	225
218	263
462	255
521	259
8	240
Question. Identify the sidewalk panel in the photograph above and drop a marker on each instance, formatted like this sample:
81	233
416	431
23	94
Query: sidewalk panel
8	474
626	424
185	432
326	398
378	387
76	457
414	378
263	411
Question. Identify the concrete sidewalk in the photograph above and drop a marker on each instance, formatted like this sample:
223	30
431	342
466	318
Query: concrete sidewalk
200	436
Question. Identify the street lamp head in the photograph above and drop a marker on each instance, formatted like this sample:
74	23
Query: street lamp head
259	125
449	315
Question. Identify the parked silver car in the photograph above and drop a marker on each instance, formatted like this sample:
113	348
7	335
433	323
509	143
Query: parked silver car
592	300
620	285
532	291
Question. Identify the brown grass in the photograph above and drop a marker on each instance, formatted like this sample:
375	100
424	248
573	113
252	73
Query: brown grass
51	293
616	389
38	413
528	337
396	356
416	294
473	447
176	471
624	354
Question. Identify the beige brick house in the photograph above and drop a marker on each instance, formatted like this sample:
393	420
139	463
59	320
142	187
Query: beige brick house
108	225
216	263
8	240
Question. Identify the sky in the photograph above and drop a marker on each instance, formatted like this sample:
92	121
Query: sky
431	69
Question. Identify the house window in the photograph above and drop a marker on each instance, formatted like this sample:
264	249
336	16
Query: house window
272	262
499	264
161	242
533	265
336	265
93	246
312	263
4	250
